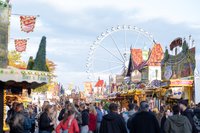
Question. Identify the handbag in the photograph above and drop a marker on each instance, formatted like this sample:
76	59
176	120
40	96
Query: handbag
69	124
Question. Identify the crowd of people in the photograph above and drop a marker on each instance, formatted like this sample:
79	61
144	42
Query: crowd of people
93	118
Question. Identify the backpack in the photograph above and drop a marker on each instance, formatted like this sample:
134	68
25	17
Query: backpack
27	123
66	130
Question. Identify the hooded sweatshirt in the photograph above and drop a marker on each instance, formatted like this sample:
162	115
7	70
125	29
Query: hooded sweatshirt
113	123
178	124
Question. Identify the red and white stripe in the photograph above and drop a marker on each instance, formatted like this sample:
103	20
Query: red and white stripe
20	45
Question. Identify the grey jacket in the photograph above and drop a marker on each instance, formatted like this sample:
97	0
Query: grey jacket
177	124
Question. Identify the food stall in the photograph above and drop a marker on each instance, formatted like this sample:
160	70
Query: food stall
14	81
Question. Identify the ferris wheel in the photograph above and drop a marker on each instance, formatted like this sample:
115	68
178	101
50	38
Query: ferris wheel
110	52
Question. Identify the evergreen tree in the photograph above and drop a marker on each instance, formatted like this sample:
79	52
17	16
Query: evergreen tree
166	55
185	47
40	60
30	63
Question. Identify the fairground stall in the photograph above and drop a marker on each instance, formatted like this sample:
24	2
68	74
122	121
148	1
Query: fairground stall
178	71
14	82
144	72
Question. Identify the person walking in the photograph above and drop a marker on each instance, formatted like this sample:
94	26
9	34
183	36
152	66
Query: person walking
10	115
164	118
99	117
129	114
69	124
183	104
143	121
46	124
196	118
113	122
21	122
177	123
85	118
92	119
62	112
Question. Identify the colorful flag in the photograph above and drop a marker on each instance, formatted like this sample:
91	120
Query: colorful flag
20	45
27	23
88	87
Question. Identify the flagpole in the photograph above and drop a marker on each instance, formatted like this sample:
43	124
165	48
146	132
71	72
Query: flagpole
15	14
19	38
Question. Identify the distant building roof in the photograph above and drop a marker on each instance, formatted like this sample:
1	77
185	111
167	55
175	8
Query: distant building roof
100	83
137	58
156	56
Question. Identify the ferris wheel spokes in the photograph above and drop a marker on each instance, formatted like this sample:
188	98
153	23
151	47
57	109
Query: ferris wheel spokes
107	70
121	44
117	47
136	39
125	43
111	53
105	60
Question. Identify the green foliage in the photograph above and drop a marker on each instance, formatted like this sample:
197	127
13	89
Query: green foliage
30	63
166	55
40	60
41	89
106	106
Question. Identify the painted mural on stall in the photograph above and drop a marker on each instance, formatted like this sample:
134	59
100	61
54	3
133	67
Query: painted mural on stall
179	65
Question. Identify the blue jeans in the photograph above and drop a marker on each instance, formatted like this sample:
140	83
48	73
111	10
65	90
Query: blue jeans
84	129
44	132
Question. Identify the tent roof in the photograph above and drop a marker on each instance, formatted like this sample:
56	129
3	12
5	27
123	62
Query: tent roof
100	83
26	78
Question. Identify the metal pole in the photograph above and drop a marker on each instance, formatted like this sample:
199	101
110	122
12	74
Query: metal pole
1	106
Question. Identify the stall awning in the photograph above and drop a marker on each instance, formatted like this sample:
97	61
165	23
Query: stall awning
28	78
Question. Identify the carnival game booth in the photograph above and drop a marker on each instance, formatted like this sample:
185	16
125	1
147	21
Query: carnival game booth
14	81
178	70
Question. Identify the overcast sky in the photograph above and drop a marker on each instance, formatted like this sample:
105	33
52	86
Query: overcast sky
71	26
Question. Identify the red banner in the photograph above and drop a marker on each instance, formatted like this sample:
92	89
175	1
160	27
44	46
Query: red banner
27	23
20	45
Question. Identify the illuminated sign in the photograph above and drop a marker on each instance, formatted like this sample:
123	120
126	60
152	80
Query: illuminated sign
181	82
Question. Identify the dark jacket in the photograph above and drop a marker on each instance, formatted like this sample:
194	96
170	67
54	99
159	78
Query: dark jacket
163	120
143	122
189	114
113	123
44	123
61	114
85	117
10	118
177	124
21	123
196	119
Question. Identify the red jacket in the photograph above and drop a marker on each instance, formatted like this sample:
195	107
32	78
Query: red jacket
72	129
92	122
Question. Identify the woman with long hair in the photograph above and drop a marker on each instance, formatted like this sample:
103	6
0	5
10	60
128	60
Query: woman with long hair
46	124
77	115
54	116
69	123
92	119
